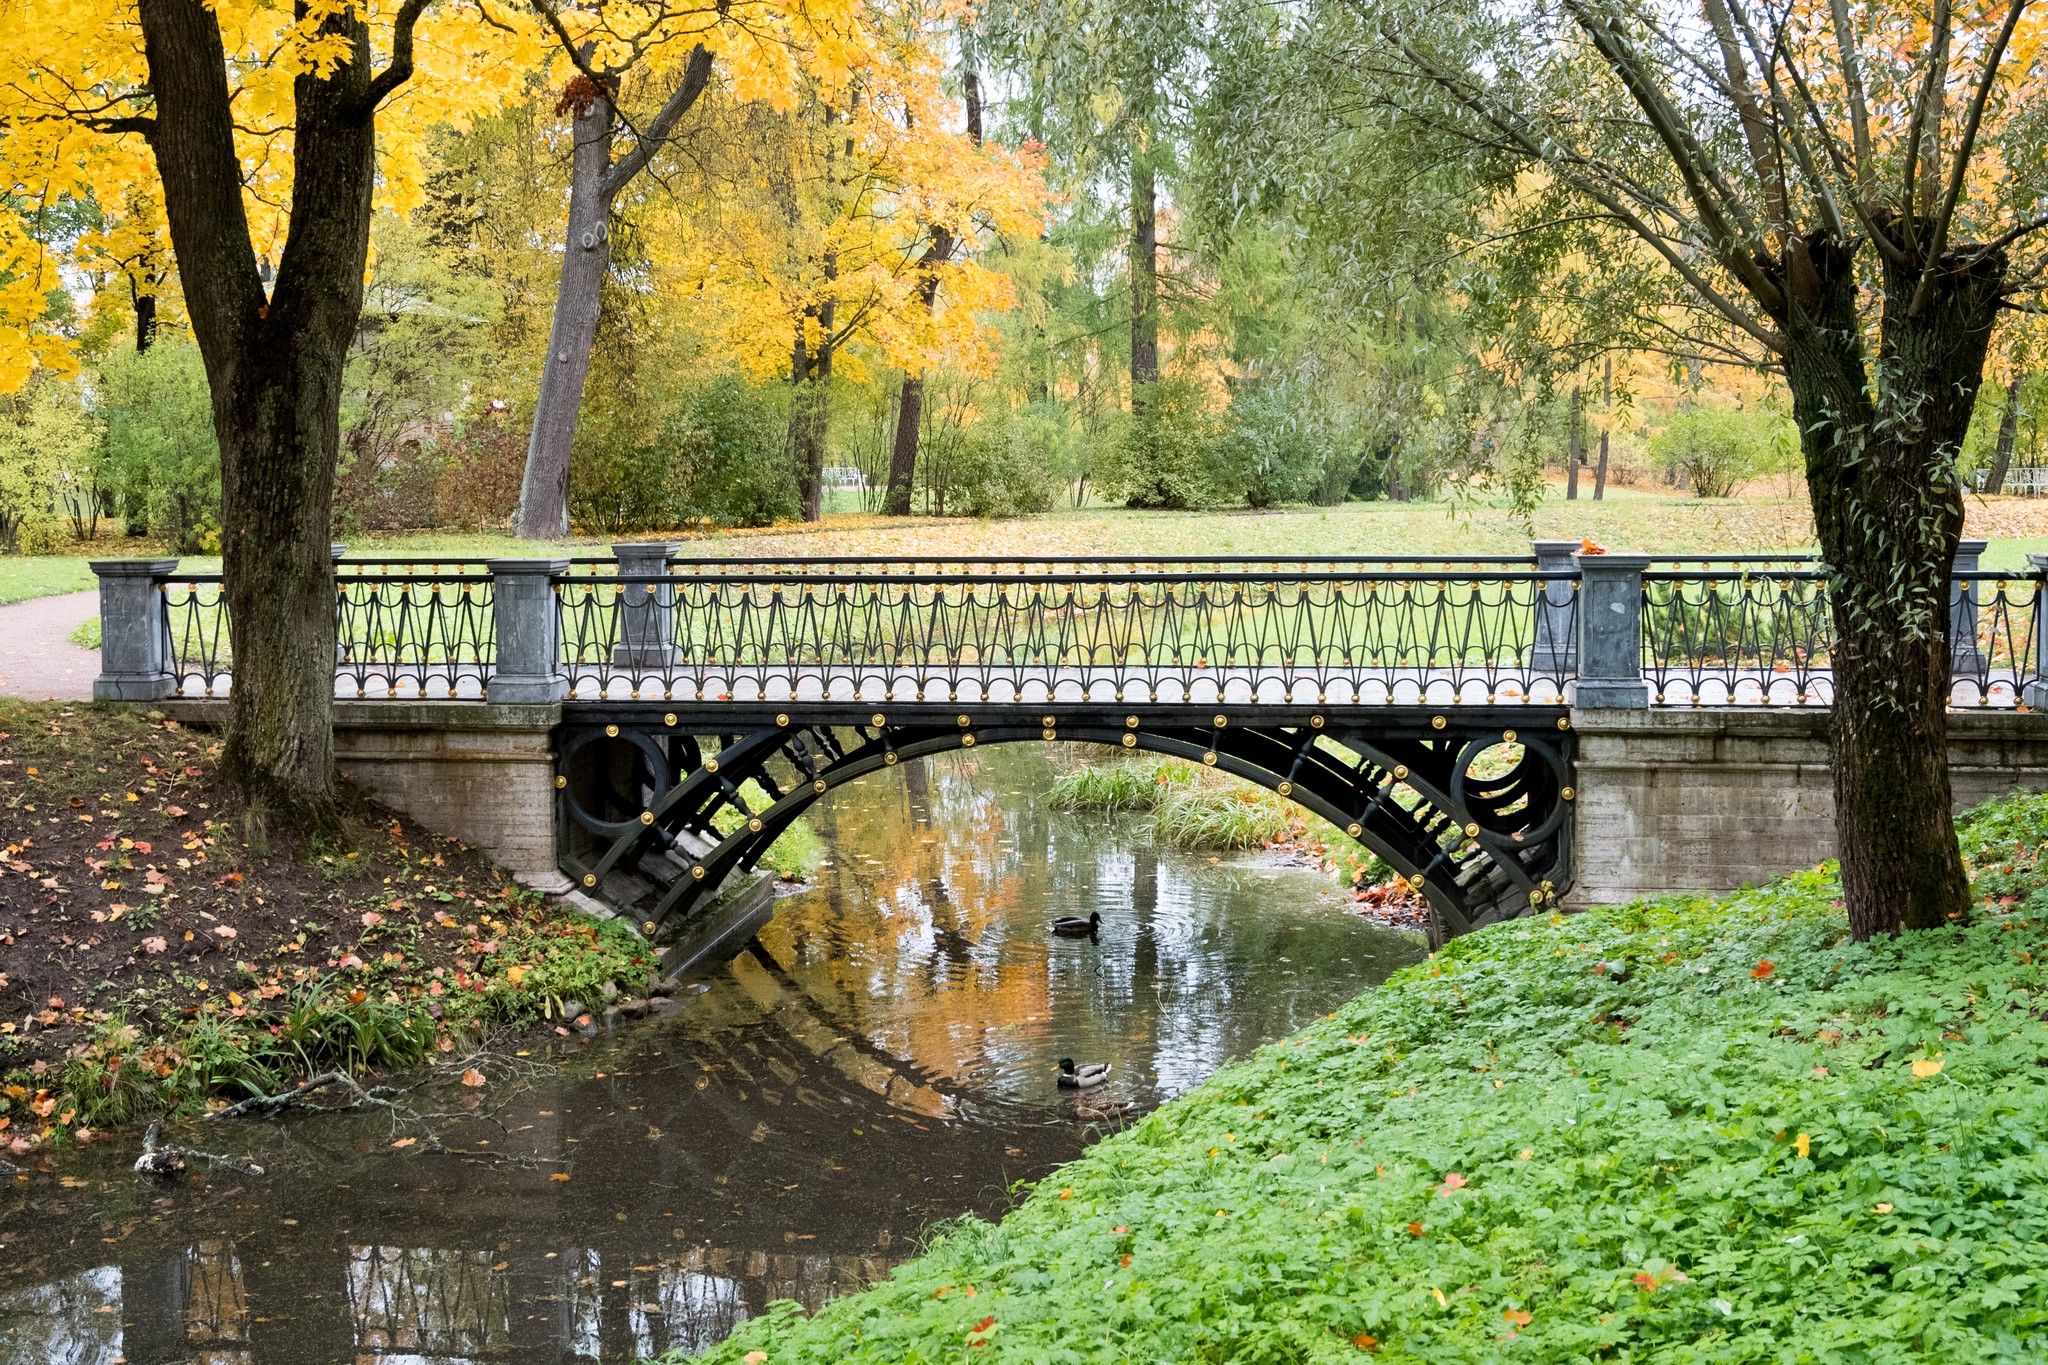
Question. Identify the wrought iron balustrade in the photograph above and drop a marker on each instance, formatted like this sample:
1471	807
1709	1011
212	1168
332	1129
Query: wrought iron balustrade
1306	630
410	635
1307	636
1766	637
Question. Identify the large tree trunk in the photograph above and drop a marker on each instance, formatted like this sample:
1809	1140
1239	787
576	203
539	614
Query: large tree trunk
1889	511
1144	275
2008	434
274	366
586	256
910	403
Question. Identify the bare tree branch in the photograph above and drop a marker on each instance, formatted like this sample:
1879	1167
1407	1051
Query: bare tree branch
1859	109
1920	138
399	70
1740	251
695	75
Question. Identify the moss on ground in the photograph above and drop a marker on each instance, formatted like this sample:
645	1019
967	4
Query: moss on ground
1686	1130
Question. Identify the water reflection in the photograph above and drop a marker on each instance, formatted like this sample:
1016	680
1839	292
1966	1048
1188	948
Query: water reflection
881	1058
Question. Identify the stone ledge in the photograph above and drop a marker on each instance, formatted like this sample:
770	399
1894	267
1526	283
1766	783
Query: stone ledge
212	712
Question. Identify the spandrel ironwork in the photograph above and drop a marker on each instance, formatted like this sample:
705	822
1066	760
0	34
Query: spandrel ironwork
658	810
1324	638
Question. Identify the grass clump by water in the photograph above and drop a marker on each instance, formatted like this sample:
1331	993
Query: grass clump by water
1201	810
1685	1130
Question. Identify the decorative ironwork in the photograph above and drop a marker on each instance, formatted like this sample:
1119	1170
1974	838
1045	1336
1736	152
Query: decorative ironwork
1766	637
657	811
1718	638
199	646
409	637
1307	637
404	636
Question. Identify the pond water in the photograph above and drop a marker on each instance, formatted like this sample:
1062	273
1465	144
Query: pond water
881	1059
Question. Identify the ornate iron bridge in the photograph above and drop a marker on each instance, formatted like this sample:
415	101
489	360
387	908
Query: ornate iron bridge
1423	705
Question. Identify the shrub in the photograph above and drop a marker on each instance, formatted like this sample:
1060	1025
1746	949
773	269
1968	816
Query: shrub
1276	447
733	442
161	451
715	453
47	446
1002	469
1715	452
481	471
1163	456
40	534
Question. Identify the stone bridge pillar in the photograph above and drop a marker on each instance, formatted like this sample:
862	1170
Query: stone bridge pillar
1557	643
646	637
135	639
1611	631
1963	653
2034	696
528	631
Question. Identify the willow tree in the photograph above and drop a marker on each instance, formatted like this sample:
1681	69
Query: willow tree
1846	194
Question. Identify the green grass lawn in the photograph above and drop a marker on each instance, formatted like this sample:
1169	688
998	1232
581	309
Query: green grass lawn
46	576
1628	519
1686	1130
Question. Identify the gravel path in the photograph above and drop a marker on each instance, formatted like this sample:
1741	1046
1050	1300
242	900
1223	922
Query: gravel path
37	658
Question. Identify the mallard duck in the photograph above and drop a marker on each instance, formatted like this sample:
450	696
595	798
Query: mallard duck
1084	1075
1101	1111
1073	926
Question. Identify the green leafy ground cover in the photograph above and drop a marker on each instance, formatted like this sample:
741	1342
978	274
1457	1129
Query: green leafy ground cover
1682	1131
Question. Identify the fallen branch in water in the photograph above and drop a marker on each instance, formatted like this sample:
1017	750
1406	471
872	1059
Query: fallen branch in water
166	1163
376	1096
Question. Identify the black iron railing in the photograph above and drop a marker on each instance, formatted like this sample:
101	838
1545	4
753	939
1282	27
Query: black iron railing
1766	637
1307	635
1418	630
427	632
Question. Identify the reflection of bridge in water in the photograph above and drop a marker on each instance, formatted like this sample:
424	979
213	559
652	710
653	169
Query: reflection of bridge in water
1425	706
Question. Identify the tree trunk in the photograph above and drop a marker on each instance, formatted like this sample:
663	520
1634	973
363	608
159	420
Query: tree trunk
811	411
1575	453
274	367
586	256
903	455
2008	433
1606	400
145	320
1888	508
1144	275
910	403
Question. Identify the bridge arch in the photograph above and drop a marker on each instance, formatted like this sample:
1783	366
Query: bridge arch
657	810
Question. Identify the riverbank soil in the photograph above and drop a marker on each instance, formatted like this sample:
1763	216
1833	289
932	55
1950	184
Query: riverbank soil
154	958
1680	1130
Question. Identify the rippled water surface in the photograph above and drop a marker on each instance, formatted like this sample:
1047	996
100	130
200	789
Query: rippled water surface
882	1058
